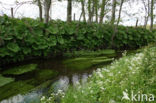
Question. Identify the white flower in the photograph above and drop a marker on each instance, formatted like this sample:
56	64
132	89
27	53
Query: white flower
98	70
82	91
43	98
110	74
91	91
100	82
102	88
100	75
75	96
90	75
112	101
105	69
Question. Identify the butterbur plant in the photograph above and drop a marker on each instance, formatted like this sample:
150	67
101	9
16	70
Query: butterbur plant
21	38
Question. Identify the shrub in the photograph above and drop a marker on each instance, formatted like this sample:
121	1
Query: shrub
20	38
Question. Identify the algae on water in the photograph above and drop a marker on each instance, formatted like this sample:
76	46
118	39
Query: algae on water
40	76
85	63
5	80
21	69
45	74
82	53
14	88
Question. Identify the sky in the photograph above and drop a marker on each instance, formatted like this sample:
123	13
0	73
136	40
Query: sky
58	11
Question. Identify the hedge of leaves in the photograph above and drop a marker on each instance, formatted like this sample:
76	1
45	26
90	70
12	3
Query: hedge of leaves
20	38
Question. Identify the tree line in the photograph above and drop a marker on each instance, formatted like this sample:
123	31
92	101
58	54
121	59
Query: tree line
97	10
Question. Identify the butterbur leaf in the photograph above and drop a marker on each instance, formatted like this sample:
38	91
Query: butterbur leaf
71	31
13	47
60	40
7	38
19	36
61	30
53	30
43	46
52	41
4	52
26	51
80	37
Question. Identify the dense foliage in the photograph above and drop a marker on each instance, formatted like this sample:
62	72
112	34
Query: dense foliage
130	74
20	38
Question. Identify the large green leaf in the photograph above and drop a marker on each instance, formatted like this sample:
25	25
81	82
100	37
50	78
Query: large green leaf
26	50
52	41
9	37
53	30
4	52
13	47
60	40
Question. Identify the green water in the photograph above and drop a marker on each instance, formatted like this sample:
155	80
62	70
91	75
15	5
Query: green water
49	75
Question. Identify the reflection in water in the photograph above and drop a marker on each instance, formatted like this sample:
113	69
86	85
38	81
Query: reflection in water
15	99
33	97
62	83
65	78
75	80
84	78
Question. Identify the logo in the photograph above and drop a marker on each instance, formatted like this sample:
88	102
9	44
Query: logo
140	97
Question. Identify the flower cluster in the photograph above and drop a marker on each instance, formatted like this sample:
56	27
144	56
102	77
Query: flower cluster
53	96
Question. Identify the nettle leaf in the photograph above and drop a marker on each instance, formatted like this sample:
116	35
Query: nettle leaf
13	47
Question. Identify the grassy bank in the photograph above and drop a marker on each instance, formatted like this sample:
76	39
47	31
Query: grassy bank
130	74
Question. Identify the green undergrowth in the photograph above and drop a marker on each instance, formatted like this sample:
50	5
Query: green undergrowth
5	80
133	73
25	38
20	69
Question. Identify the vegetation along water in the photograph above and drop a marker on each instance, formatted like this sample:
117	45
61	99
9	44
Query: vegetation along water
102	57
